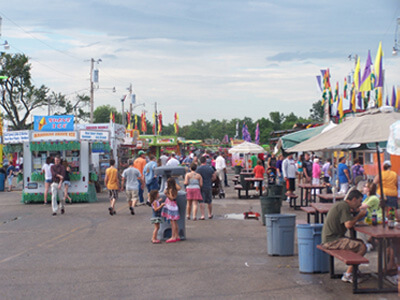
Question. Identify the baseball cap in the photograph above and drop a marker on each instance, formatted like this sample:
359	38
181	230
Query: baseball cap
141	152
387	163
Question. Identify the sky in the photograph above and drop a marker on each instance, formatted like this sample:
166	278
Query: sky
210	59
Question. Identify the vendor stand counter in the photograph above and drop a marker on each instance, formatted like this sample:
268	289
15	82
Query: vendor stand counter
77	155
381	234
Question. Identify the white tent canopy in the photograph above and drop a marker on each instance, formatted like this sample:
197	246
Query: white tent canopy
247	148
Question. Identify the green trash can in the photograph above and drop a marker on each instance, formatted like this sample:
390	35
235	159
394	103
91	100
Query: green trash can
275	190
270	205
238	169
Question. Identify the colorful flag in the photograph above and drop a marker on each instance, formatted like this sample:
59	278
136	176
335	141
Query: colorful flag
330	97
111	117
379	97
398	98
366	78
353	97
394	97
144	123
154	123
326	74
128	119
357	74
245	133
176	123
257	134
378	67
319	83
345	88
159	122
340	108
136	122
336	92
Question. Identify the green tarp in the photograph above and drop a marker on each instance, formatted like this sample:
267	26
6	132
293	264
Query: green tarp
292	139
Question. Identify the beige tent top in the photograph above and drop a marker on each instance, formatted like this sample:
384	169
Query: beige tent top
246	148
369	127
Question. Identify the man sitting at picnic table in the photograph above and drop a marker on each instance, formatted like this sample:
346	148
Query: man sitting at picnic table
337	222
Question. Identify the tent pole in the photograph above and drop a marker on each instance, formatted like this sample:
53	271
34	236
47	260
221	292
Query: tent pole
381	184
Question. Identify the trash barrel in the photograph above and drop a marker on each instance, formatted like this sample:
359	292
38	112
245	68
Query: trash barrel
238	169
311	259
165	232
275	190
270	205
280	234
2	179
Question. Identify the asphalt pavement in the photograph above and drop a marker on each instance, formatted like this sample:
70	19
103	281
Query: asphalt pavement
88	254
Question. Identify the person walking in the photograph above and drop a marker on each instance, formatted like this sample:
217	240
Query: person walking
289	168
300	169
163	158
48	178
58	175
220	166
10	175
259	172
307	168
193	182
344	175
67	181
208	175
139	164
172	162
357	172
133	180
112	183
149	174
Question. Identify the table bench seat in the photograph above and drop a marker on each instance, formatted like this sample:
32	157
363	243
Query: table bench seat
349	258
292	200
310	211
239	188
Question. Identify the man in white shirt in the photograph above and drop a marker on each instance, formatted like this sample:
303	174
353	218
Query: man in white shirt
173	162
220	166
289	169
164	159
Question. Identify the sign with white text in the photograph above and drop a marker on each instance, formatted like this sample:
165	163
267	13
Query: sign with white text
95	136
53	123
16	137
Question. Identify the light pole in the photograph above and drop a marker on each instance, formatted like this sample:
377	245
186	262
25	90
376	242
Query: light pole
92	61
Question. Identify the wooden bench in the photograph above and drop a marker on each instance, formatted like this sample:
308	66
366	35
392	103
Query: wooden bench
350	258
310	211
235	180
292	200
240	188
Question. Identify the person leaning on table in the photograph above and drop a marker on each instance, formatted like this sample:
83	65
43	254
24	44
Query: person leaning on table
338	220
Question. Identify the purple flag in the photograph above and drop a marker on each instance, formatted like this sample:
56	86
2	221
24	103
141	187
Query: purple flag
387	100
257	138
366	74
245	133
359	101
394	97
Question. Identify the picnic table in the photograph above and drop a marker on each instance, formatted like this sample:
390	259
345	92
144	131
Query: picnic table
324	198
321	209
309	188
252	180
381	235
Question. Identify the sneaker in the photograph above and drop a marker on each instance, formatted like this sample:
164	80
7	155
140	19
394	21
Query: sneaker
132	210
54	214
148	203
288	199
369	247
393	279
347	277
62	211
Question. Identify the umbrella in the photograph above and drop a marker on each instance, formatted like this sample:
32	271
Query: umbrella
372	126
246	148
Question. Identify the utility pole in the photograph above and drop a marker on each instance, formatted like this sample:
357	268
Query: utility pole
92	61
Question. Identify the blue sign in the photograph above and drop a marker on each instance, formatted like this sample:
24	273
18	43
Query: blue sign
54	123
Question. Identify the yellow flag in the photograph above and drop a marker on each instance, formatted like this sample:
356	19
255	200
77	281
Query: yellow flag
397	98
340	108
353	101
357	75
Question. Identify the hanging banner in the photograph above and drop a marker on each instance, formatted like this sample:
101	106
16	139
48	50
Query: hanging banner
16	137
53	136
53	123
85	135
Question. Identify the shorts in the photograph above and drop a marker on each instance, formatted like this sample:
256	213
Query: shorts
49	180
290	184
113	194
132	195
207	196
69	184
156	220
257	183
391	201
344	244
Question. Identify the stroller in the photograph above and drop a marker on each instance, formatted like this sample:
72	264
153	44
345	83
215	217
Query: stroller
217	188
271	175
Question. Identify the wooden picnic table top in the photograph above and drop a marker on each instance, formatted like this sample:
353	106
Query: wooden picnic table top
322	208
311	186
253	179
331	196
378	231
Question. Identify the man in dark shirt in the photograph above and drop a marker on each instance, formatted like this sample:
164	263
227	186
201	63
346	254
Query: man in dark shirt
58	175
337	222
208	174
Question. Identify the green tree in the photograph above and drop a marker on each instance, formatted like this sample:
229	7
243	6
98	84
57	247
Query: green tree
317	111
102	114
19	97
60	105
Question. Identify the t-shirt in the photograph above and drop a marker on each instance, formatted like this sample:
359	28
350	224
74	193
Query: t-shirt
173	162
131	176
342	176
325	169
163	159
112	176
307	165
373	204
47	171
11	169
139	164
253	161
149	171
206	173
259	171
389	181
220	163
316	171
334	227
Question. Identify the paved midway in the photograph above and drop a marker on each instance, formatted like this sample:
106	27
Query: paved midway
88	254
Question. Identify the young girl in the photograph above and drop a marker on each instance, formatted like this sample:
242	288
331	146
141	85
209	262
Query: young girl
156	218
170	210
193	182
47	177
